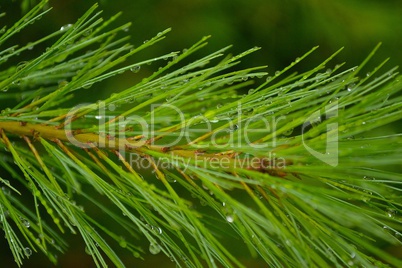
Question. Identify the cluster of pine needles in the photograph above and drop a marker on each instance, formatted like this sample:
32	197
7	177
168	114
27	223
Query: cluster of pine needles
190	162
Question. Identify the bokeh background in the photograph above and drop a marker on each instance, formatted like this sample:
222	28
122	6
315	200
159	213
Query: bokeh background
285	29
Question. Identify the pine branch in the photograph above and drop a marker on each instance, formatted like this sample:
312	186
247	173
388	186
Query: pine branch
295	171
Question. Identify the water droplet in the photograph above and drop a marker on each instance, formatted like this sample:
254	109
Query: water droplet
16	82
136	254
65	27
26	223
351	86
135	69
123	243
391	213
204	186
277	73
297	59
88	250
30	46
157	230
214	120
6	190
130	100
251	91
87	32
112	107
145	41
87	85
233	128
62	83
288	132
27	251
154	248
170	179
229	218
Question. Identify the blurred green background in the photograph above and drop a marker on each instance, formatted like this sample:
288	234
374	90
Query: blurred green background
285	29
